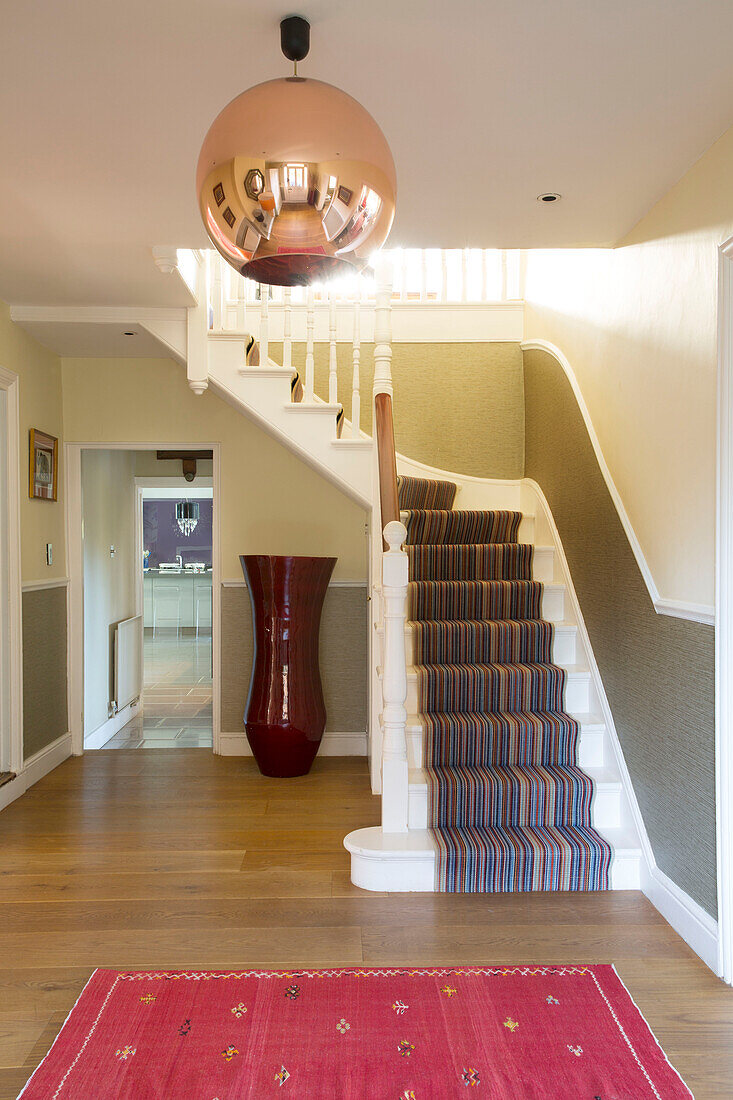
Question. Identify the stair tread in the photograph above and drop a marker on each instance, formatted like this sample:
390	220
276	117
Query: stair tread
312	406
602	776
586	721
575	672
416	841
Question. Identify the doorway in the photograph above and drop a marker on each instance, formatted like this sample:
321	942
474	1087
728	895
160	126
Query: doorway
174	534
11	737
143	564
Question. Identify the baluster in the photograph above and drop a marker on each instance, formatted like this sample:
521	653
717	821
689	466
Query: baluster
241	313
383	327
443	276
215	268
403	275
504	276
264	325
464	275
485	275
395	787
424	275
309	360
333	393
287	329
355	395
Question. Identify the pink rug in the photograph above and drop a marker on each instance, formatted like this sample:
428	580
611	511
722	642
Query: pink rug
509	1033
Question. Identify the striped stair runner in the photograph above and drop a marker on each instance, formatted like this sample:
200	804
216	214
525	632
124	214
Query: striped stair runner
508	806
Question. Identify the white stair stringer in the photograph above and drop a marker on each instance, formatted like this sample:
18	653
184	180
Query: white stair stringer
408	861
307	429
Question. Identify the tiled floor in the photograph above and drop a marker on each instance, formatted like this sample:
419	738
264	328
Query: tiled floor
176	711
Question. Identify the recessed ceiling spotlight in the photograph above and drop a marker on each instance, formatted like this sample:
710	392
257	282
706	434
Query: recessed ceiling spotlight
129	334
549	196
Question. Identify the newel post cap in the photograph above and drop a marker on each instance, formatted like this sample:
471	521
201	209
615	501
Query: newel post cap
395	534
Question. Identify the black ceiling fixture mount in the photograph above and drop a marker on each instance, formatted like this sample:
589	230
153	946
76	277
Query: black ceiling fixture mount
295	38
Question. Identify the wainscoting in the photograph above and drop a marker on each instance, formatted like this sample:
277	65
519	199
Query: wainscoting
658	671
343	668
45	717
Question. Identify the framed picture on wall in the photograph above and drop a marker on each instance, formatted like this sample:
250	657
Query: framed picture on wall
43	472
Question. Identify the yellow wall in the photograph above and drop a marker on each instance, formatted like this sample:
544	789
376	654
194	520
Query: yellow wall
271	502
39	371
638	324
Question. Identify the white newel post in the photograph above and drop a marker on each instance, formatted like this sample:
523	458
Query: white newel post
395	785
264	325
287	328
333	394
355	383
309	360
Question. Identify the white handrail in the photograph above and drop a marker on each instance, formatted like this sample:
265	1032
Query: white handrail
395	779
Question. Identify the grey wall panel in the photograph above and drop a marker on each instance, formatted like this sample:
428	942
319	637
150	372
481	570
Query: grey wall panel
343	657
658	672
44	668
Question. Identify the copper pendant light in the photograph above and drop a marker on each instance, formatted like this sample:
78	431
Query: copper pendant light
295	180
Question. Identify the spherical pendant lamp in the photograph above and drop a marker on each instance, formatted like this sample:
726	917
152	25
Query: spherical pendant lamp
295	180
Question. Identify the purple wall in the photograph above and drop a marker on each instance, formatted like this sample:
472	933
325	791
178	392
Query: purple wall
163	539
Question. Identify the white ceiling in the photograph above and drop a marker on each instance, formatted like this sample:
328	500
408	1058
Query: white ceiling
103	107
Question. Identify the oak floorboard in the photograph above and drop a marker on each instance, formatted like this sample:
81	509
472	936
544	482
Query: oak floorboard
177	858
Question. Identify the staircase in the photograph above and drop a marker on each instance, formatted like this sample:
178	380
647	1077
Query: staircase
489	733
512	782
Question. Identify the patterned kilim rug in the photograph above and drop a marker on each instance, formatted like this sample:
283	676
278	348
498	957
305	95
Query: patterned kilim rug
510	1033
508	806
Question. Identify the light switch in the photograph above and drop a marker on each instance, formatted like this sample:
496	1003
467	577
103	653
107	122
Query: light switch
49	553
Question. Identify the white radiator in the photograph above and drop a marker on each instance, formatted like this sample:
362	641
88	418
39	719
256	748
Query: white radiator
128	662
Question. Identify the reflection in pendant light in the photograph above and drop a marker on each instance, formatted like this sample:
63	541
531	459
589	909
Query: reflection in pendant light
187	516
295	180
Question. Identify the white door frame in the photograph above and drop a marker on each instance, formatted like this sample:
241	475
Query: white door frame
75	559
11	640
724	616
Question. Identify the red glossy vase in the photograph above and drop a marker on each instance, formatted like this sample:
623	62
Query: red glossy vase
285	714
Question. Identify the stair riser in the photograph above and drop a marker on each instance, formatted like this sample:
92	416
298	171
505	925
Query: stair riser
543	564
564	646
606	811
553	604
577	694
590	747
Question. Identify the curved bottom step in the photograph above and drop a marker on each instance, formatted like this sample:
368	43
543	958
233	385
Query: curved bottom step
406	862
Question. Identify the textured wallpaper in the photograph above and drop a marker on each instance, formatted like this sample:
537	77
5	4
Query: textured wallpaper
343	657
658	672
44	668
459	407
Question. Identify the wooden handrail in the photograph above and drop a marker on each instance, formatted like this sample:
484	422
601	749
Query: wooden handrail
384	427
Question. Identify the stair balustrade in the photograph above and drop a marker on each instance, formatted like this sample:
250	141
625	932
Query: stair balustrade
395	784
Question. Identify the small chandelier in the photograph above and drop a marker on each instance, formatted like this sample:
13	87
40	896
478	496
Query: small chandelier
187	516
295	180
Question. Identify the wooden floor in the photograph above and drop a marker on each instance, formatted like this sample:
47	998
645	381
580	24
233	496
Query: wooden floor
160	858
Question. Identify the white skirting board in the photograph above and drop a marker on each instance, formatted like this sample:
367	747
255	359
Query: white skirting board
113	725
696	927
333	744
35	768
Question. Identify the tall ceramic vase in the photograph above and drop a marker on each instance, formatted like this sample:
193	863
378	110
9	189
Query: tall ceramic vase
285	714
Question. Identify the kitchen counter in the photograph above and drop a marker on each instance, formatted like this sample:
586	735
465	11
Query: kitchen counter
177	598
